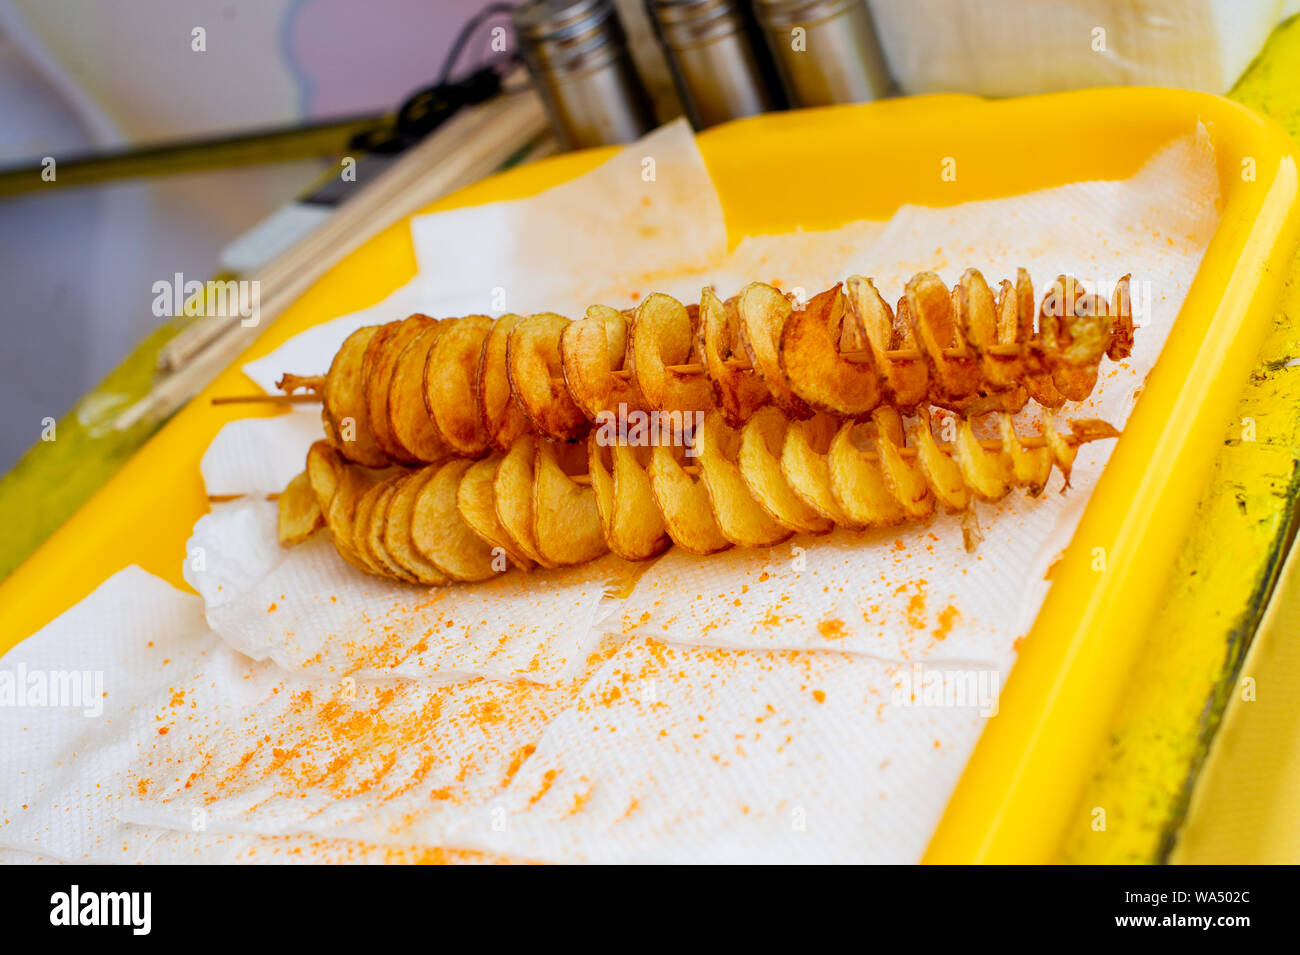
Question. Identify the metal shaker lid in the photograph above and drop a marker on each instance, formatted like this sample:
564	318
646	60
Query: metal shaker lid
784	14
684	23
567	36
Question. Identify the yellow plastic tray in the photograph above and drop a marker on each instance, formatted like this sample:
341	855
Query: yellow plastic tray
820	169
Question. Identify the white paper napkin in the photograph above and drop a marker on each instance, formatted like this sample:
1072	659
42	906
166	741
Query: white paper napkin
258	456
643	221
101	685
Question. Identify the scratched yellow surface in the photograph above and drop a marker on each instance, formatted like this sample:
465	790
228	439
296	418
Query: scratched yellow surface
1221	581
1246	806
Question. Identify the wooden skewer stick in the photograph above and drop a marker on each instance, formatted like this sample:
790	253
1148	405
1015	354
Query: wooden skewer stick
863	357
859	357
1089	431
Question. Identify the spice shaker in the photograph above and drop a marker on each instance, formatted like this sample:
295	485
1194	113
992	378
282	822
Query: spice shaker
710	51
577	53
825	50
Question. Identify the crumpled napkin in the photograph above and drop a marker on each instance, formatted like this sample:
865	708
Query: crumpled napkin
75	755
312	613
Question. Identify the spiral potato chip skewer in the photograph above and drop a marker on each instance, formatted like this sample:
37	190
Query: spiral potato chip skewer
554	503
424	390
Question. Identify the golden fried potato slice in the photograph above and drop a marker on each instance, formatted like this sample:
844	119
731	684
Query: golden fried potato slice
1012	400
451	384
759	459
638	525
300	512
1030	467
1009	321
1038	376
330	428
441	535
629	517
1074	332
408	416
806	468
1063	452
738	392
992	325
903	478
939	470
377	523
536	377
368	358
740	518
361	530
345	402
342	516
501	414
601	473
763	312
987	473
476	503
906	379
1043	390
512	494
324	467
809	357
1083	430
953	378
591	350
684	503
343	505
397	529
566	524
1025	311
1121	325
1090	336
1008	364
858	482
663	334
379	365
975	314
889	423
1015	326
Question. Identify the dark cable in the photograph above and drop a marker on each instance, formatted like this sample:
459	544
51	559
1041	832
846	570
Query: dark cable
466	34
425	109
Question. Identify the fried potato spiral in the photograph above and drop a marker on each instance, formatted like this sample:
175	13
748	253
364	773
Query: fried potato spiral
424	390
559	503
